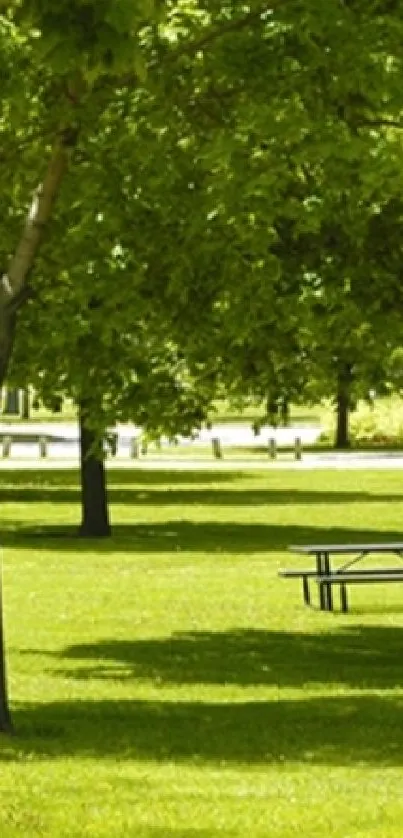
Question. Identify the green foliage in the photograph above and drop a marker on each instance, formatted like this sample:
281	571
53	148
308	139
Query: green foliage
381	422
219	211
96	38
374	422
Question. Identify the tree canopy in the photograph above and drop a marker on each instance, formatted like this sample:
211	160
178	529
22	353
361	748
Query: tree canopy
195	190
223	161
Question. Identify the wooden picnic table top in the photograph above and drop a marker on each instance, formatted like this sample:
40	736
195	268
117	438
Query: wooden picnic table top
367	547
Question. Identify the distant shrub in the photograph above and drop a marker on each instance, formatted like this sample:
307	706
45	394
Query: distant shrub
380	423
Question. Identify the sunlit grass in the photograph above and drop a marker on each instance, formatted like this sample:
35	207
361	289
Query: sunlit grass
168	683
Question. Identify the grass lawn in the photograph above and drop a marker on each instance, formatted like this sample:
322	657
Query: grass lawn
167	684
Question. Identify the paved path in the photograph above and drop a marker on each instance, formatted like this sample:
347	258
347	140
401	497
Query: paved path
63	438
309	461
63	450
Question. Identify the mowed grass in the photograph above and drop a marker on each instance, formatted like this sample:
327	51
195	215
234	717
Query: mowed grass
167	684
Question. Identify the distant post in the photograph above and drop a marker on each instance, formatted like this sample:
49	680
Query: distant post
6	447
272	448
298	448
43	448
217	450
134	448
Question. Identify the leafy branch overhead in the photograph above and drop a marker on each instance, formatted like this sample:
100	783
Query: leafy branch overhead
189	156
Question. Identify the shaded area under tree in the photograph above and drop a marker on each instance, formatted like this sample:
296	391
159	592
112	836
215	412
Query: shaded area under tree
340	729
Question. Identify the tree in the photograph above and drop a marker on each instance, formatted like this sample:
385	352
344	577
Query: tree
355	297
234	93
73	55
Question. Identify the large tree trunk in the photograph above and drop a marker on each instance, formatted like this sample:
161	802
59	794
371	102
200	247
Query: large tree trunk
94	501
343	406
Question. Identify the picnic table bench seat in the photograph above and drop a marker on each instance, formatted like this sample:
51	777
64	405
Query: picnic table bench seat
347	574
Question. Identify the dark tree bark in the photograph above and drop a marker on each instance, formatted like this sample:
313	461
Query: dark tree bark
285	411
94	501
5	717
343	407
25	403
7	333
12	405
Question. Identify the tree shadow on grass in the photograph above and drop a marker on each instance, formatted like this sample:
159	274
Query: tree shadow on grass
58	478
143	488
342	730
63	486
184	535
356	657
149	496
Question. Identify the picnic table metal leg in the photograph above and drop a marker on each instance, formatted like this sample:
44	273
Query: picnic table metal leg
325	588
328	587
319	572
306	591
343	598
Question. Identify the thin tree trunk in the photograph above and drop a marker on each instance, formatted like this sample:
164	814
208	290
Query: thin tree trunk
12	294
5	717
12	406
39	213
285	411
343	406
94	501
25	403
7	332
13	282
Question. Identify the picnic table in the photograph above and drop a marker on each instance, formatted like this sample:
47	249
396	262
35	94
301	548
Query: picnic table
326	576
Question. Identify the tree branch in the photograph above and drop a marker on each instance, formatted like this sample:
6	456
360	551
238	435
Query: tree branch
14	280
380	123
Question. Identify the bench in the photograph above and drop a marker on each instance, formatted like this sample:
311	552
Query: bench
305	575
326	577
358	577
7	439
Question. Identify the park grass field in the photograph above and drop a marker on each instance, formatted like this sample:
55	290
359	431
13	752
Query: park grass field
167	684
